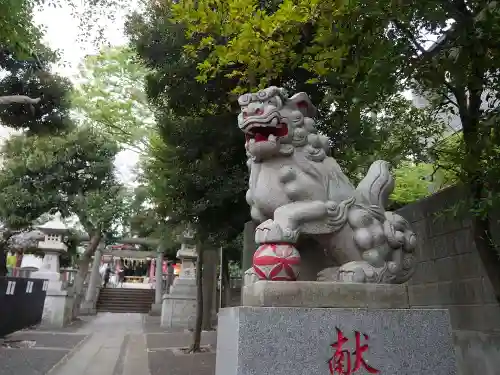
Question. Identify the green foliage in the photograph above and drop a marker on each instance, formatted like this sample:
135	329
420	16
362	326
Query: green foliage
192	182
196	169
72	172
257	44
364	52
412	182
18	33
398	133
450	155
29	78
109	96
50	115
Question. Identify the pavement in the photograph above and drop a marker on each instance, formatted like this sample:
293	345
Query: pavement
106	344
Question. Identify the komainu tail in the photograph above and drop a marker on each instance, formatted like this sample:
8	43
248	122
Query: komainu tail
378	184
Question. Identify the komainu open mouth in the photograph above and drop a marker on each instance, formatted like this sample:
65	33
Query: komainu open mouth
261	132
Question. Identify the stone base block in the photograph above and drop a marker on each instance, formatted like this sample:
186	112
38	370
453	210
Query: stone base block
319	341
88	308
178	312
184	286
57	310
324	294
155	309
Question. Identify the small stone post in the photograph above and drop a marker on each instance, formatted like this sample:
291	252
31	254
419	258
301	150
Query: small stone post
156	306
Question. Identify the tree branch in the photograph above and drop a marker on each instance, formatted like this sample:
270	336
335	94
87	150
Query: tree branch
409	35
451	33
19	99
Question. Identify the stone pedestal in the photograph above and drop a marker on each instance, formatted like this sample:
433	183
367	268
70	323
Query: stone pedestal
58	302
57	310
179	306
50	270
323	328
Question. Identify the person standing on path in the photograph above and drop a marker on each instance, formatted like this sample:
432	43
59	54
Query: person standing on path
170	276
107	275
121	276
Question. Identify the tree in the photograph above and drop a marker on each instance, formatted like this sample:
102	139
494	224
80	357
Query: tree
32	175
361	43
18	33
257	42
49	112
412	183
196	345
72	173
195	170
29	78
109	96
195	175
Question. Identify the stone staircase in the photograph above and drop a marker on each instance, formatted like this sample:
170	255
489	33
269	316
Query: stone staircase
125	300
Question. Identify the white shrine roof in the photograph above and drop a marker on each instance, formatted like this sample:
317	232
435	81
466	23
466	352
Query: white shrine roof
186	252
55	225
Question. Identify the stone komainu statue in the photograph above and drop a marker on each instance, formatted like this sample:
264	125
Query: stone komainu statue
300	196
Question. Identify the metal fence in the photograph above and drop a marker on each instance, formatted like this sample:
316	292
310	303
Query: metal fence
21	303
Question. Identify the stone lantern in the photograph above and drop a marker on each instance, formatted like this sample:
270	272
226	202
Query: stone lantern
187	254
179	306
52	245
58	305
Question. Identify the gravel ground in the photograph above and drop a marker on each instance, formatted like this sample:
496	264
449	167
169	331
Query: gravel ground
163	361
48	340
35	352
29	361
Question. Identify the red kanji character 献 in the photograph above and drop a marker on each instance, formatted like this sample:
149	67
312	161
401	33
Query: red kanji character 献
360	349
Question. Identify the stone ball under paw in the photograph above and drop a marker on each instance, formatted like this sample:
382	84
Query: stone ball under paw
277	262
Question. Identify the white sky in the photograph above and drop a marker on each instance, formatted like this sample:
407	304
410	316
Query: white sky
62	34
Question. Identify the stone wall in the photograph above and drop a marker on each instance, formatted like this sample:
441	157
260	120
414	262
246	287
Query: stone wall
450	275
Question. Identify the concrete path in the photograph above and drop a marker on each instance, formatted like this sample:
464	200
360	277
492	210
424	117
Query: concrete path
116	346
107	344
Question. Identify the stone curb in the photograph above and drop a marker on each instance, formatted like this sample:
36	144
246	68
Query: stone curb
70	354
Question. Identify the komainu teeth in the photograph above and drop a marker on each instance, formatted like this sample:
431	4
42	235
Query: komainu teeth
252	141
274	121
271	138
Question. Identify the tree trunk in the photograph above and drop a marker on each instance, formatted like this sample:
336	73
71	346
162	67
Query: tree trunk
3	262
83	269
474	143
196	345
226	281
19	99
209	279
